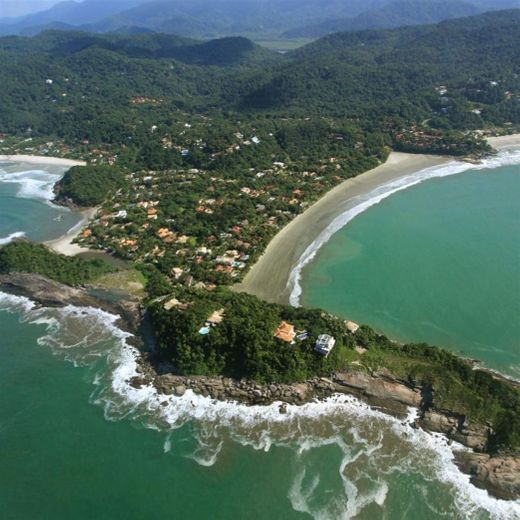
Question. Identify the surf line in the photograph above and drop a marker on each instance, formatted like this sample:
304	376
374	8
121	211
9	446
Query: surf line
364	202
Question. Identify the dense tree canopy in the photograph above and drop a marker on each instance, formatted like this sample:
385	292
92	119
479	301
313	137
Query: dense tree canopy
89	185
24	257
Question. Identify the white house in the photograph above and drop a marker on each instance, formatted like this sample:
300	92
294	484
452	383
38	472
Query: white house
324	344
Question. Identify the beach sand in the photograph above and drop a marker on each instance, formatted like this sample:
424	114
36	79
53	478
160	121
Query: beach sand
64	245
269	276
41	159
504	141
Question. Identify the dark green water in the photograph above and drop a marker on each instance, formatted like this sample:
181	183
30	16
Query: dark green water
78	442
439	262
62	459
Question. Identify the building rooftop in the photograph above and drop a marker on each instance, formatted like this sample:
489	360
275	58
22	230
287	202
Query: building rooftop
285	331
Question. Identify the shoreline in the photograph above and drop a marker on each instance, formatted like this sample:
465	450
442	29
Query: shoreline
410	403
64	245
42	159
291	243
504	141
287	247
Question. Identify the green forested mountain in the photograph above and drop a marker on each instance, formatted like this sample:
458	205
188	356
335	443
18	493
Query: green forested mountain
202	18
200	152
398	13
61	82
393	72
257	19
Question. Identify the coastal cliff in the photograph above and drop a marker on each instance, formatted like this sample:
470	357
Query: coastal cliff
497	473
49	293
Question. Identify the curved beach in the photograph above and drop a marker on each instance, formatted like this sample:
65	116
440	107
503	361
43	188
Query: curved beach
268	278
42	159
63	244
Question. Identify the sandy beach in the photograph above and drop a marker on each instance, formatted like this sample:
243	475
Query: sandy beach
290	243
269	276
64	245
41	159
504	141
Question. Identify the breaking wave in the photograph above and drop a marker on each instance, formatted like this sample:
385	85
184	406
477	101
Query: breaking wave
33	184
366	449
11	237
362	203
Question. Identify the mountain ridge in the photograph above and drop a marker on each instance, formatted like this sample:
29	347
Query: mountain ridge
258	20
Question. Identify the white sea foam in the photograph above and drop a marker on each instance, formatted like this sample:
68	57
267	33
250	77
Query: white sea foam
504	158
87	336
11	237
33	184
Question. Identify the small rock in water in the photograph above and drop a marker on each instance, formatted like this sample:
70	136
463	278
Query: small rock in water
283	408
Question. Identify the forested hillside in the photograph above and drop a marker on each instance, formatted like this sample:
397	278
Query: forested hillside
200	152
397	13
393	73
461	74
212	147
261	20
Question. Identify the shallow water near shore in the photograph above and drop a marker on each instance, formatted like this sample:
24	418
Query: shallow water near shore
439	262
25	208
80	442
84	444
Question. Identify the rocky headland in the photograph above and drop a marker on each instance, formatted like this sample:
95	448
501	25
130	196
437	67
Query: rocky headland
498	474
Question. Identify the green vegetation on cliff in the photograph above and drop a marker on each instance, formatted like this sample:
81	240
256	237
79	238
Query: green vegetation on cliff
89	185
24	257
242	344
218	145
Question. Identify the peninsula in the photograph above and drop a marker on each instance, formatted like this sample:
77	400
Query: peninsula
216	167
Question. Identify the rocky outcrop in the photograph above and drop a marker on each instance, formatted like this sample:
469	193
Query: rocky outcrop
456	427
42	290
500	476
392	396
380	390
49	293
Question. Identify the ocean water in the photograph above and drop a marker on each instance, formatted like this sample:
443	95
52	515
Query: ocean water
25	208
79	442
438	262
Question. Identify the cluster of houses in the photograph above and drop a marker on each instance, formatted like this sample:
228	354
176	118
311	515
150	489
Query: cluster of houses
176	204
34	146
323	345
285	331
224	253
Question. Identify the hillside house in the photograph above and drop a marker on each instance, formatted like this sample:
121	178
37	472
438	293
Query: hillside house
324	344
285	331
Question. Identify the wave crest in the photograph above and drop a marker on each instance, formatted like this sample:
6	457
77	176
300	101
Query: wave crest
372	448
11	237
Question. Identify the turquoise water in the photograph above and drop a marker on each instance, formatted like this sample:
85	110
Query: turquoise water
25	192
438	262
79	442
